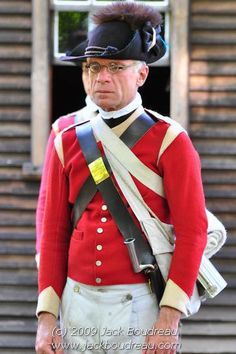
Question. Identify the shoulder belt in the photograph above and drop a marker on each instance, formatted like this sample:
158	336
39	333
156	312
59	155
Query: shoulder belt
81	116
140	252
58	140
171	134
131	136
129	160
84	115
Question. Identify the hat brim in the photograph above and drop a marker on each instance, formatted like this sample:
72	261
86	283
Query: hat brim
76	52
133	51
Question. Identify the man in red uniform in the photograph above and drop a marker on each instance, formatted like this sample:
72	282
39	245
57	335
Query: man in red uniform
87	112
86	272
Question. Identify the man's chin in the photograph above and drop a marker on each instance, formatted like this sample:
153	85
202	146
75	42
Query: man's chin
105	105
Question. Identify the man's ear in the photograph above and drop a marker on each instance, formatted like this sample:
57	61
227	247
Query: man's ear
143	74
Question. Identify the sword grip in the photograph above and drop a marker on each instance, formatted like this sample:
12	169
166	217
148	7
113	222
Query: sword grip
133	255
157	283
152	271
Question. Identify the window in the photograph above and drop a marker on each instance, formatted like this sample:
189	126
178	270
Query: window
71	22
68	15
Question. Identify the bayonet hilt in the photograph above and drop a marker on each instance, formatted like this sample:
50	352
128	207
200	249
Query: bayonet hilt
137	266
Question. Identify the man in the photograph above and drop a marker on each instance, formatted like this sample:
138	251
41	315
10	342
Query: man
86	113
106	307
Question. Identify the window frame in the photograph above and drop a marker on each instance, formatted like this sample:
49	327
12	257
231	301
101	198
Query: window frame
40	79
90	6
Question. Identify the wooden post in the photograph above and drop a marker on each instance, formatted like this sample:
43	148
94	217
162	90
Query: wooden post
179	102
40	98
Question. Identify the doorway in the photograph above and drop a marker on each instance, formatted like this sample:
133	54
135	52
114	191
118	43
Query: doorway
68	94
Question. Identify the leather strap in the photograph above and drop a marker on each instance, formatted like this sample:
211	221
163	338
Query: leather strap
106	187
130	137
141	251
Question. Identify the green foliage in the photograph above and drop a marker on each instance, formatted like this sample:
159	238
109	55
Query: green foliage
72	29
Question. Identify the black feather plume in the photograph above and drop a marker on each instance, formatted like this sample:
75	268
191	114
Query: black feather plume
136	15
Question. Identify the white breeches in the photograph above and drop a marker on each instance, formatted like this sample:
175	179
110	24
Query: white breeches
106	319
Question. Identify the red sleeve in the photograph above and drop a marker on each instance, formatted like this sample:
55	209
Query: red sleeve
181	171
42	191
61	123
56	228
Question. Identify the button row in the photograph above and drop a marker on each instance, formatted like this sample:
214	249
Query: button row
99	247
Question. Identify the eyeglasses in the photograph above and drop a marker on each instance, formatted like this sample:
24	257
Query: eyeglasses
113	68
84	67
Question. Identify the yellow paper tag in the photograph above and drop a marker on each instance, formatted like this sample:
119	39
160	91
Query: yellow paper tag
98	170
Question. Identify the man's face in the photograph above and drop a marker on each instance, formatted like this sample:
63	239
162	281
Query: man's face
113	91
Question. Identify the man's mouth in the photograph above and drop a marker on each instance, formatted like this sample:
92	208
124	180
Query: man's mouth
103	91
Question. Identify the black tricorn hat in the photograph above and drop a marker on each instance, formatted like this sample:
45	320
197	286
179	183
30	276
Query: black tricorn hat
124	31
79	50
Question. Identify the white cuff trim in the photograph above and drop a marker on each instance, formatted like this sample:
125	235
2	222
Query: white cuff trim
174	297
48	301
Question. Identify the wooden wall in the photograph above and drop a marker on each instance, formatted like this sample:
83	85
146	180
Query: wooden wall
212	105
17	193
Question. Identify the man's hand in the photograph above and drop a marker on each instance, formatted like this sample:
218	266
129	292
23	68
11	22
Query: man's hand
48	334
165	340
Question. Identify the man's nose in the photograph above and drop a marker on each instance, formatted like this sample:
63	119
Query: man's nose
104	74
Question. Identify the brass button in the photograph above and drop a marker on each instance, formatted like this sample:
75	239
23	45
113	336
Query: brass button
129	297
99	230
104	207
99	247
98	280
76	288
98	263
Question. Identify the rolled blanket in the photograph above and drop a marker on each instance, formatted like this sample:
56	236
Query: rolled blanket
216	234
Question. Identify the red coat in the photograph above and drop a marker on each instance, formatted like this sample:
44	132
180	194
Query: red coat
59	125
94	253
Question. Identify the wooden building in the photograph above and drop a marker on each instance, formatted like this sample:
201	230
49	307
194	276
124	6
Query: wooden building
203	98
